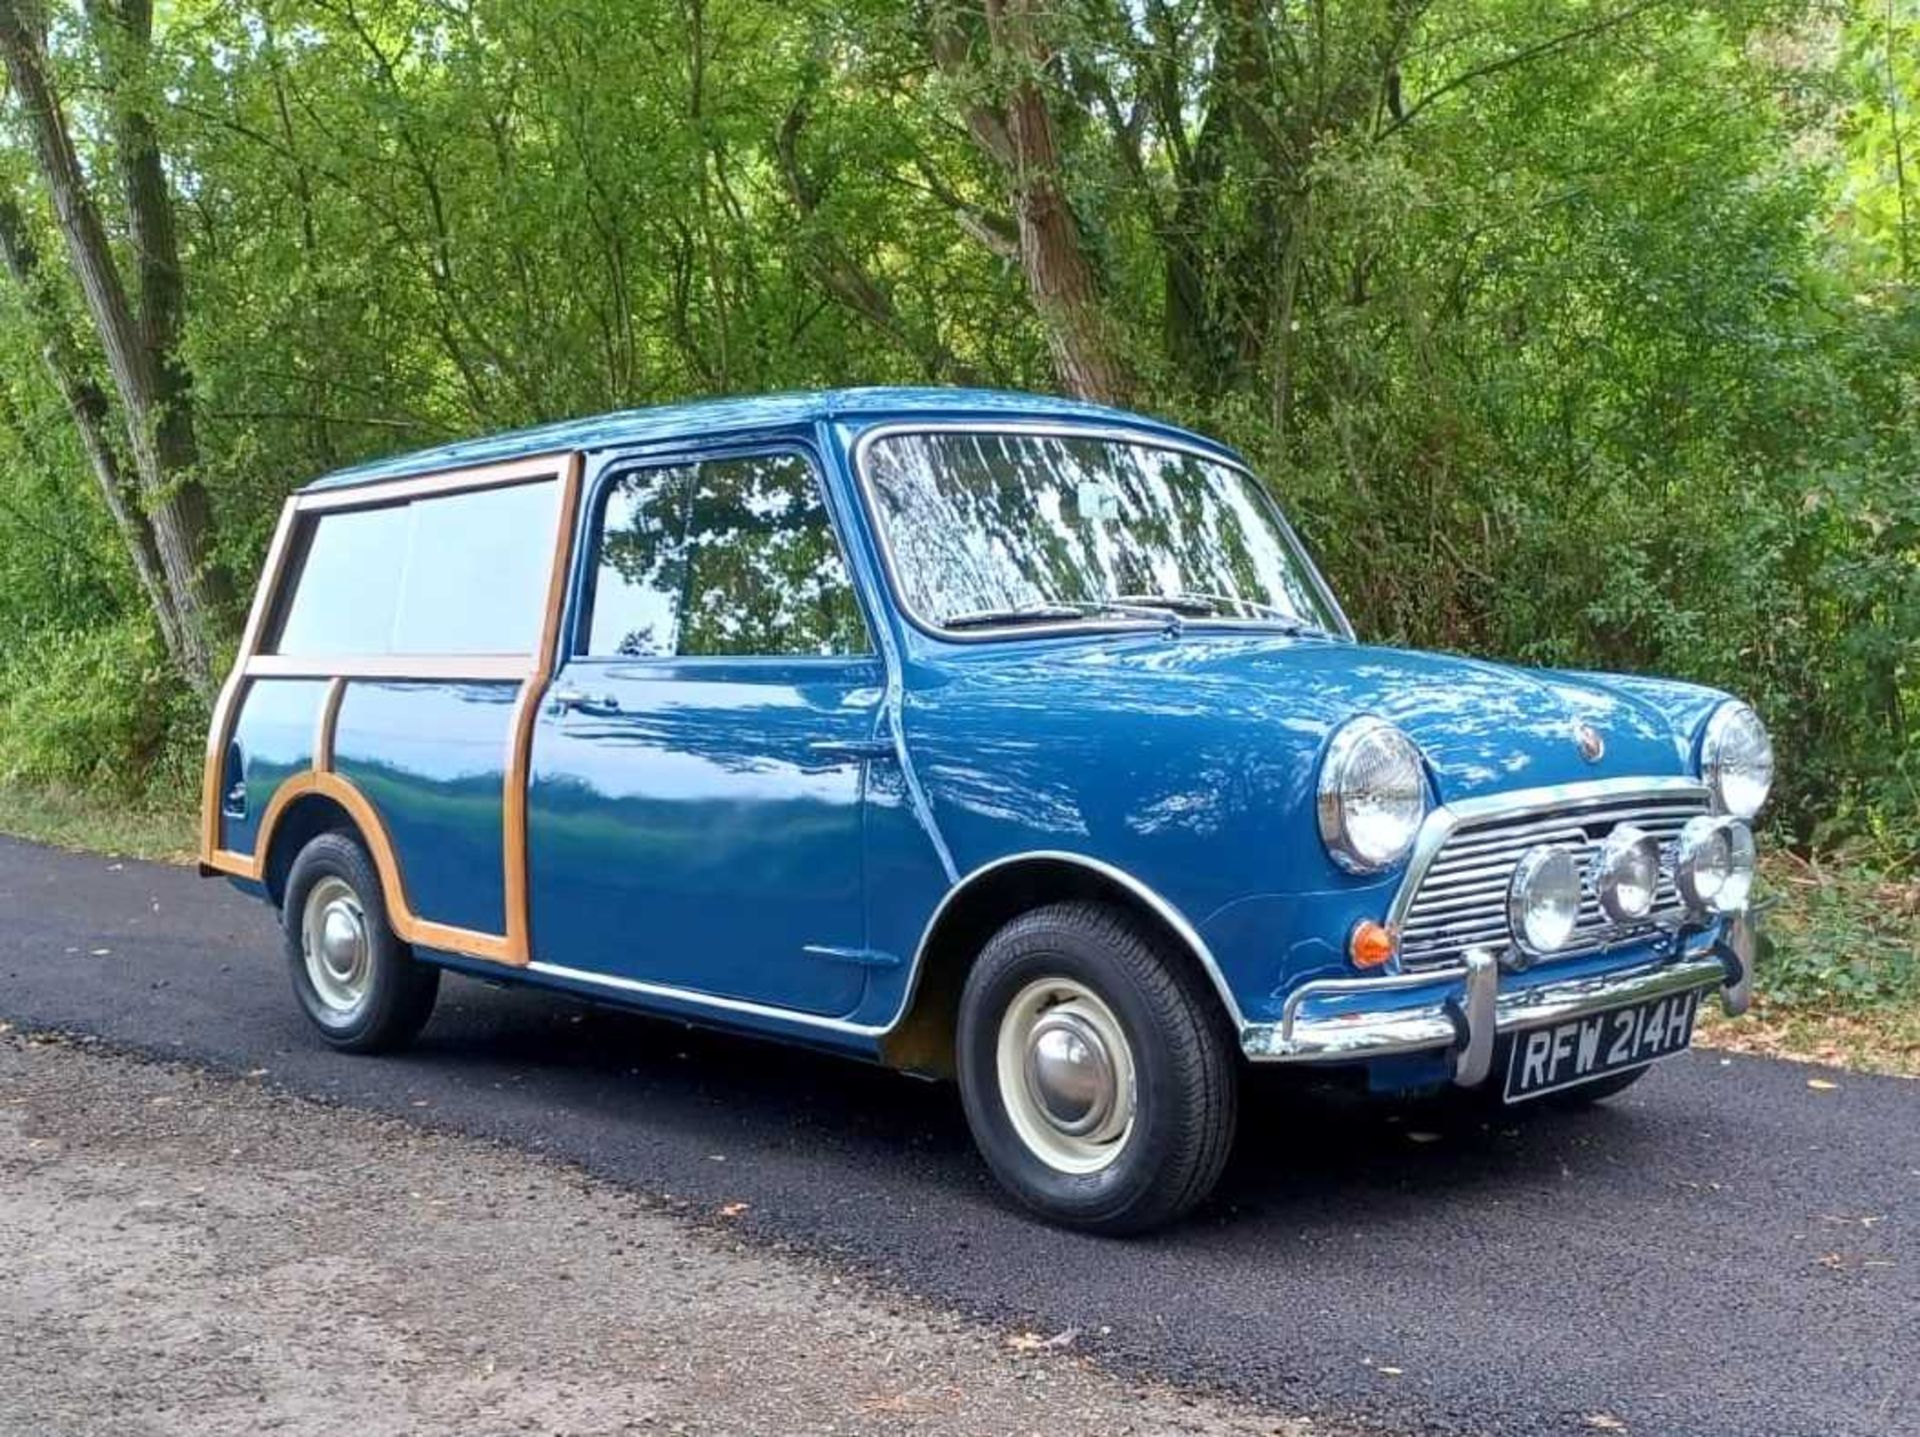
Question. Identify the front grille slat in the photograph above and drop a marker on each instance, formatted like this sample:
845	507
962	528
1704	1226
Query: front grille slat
1461	898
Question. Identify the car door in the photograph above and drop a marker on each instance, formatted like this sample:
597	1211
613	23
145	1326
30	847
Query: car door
699	763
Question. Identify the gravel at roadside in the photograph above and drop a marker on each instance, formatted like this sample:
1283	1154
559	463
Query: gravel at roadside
184	1253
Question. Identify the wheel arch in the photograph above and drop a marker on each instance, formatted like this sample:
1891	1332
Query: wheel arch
303	819
991	896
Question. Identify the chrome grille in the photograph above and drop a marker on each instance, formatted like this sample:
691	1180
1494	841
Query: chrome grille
1459	897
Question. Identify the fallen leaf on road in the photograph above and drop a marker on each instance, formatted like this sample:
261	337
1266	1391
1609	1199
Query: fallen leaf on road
1034	1342
1821	1085
732	1209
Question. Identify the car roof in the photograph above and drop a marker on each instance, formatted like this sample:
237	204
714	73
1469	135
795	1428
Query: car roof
706	417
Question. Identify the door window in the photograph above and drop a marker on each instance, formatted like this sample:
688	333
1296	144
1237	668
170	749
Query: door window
727	556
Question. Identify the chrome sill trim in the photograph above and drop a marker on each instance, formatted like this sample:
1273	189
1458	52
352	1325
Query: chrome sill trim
746	1008
740	1006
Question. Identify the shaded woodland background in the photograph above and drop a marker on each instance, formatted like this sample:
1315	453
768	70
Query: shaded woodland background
1578	332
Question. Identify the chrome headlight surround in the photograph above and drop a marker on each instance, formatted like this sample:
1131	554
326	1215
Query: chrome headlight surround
1736	760
1743	859
1626	873
1372	796
1543	899
1713	865
1702	858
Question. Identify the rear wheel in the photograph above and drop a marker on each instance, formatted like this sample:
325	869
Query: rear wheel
358	983
1096	1075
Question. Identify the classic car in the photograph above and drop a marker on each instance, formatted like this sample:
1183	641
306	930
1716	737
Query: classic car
983	735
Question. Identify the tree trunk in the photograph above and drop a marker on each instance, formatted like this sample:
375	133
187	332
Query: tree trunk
88	408
141	350
1019	134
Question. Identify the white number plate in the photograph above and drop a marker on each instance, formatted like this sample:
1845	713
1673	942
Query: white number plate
1545	1060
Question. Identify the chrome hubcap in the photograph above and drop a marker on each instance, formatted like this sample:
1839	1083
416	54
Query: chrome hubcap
1066	1075
334	938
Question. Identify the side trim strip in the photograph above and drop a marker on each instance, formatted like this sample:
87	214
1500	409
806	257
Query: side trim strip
859	957
740	1006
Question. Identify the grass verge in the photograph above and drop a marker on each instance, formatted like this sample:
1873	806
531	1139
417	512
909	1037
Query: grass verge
1839	974
88	823
1839	978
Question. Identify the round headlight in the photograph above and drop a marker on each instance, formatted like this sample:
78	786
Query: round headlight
1543	898
1702	862
1372	796
1626	871
1736	759
1741	859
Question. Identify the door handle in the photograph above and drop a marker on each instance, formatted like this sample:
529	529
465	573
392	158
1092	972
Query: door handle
852	749
559	701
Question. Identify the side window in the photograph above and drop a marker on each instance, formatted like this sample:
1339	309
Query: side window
345	586
454	574
640	565
731	556
477	572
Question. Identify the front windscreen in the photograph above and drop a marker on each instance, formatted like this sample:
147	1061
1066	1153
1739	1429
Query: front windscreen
1005	527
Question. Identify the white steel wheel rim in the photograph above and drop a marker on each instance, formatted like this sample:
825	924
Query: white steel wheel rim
1066	1075
337	946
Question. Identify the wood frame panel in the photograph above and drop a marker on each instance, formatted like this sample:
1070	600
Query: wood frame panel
532	671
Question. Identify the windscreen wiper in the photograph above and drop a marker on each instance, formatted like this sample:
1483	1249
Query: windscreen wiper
1199	602
1054	613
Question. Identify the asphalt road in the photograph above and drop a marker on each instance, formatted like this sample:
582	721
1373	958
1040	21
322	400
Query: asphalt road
1728	1249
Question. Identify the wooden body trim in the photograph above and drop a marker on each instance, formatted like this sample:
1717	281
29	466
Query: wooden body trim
530	671
410	926
328	722
446	481
476	668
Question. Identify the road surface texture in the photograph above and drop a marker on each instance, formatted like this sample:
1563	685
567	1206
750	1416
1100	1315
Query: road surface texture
183	1253
1729	1249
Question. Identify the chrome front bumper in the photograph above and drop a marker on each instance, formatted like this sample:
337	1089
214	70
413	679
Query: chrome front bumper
1462	1010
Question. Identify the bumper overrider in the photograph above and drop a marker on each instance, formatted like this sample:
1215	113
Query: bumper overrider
1461	1009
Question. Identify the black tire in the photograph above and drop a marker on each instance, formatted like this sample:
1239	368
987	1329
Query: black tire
1186	1078
1599	1090
397	990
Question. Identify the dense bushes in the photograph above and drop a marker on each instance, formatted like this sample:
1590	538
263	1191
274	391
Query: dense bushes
1578	339
98	709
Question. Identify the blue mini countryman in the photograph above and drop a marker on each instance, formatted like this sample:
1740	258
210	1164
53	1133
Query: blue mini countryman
977	734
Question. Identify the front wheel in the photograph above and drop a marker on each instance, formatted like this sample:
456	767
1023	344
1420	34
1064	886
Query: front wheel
1096	1075
354	977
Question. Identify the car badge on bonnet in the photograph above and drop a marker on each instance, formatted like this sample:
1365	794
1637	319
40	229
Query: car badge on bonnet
1592	747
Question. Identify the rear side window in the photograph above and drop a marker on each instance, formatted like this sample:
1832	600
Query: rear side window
730	556
450	574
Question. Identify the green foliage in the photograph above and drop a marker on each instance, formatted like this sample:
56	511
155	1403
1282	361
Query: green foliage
1846	938
97	708
1571	334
